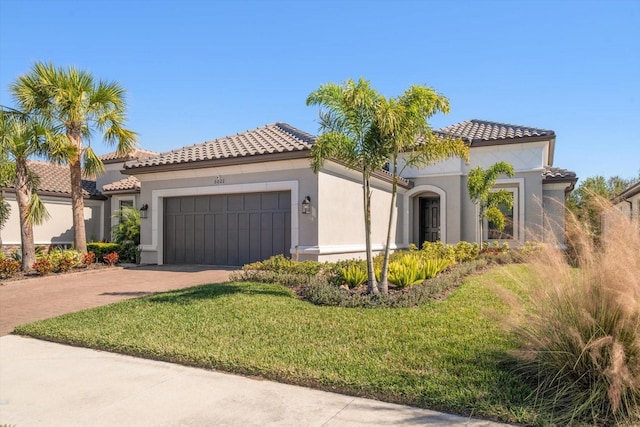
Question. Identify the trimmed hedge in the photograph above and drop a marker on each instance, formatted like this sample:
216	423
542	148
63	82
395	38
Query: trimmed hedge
101	249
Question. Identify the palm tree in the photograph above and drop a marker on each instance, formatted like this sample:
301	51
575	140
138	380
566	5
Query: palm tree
79	105
480	184
402	126
346	125
22	137
5	172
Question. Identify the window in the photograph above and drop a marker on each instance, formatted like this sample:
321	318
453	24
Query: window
507	231
511	218
126	204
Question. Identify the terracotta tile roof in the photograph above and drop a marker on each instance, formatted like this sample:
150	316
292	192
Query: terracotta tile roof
269	139
56	180
553	174
130	183
113	157
481	131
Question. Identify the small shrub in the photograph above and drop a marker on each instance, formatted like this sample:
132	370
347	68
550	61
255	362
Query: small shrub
465	251
43	265
64	260
432	267
102	248
9	267
408	271
111	258
16	255
128	252
438	250
354	276
332	272
277	263
88	258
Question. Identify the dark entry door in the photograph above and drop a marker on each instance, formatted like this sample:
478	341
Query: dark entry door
429	219
226	229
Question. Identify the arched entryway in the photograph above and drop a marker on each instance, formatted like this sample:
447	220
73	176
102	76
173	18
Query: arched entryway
428	218
425	217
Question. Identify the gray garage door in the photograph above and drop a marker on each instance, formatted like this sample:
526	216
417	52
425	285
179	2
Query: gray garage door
229	229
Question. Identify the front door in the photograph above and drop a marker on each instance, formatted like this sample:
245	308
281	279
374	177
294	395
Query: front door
429	219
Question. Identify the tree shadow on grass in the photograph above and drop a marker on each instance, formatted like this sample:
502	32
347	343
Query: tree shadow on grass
218	290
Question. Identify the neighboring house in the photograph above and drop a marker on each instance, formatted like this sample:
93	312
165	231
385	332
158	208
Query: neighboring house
121	190
248	196
111	191
54	189
629	203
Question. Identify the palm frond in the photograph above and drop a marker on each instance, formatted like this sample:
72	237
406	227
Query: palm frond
37	212
93	166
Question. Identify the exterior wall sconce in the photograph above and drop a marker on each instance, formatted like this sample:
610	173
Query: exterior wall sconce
306	205
143	210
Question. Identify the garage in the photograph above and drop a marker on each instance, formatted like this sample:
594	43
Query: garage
226	229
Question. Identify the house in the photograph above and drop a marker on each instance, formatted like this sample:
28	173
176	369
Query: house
251	195
629	203
102	197
54	188
248	196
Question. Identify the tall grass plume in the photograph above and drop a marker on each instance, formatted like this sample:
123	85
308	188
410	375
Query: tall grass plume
580	338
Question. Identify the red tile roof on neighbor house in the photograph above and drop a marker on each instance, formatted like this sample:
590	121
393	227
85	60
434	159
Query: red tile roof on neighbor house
128	184
482	132
270	139
55	180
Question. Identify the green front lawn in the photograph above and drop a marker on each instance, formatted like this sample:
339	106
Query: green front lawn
443	355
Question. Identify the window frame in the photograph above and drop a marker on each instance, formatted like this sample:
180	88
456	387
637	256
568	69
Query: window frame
516	187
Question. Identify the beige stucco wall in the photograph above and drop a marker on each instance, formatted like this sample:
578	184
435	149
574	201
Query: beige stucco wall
340	216
554	212
59	228
630	208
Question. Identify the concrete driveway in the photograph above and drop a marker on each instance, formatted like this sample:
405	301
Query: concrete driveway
25	301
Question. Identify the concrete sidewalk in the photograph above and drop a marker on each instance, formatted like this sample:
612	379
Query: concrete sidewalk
47	384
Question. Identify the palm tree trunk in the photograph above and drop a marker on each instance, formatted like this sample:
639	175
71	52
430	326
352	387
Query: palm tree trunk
23	196
384	279
372	286
77	202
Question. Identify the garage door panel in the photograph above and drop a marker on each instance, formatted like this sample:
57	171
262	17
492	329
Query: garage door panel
270	201
202	204
284	201
187	204
199	238
235	202
254	246
172	205
217	203
229	229
252	202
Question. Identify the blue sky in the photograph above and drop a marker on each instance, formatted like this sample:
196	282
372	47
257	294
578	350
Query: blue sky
195	70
